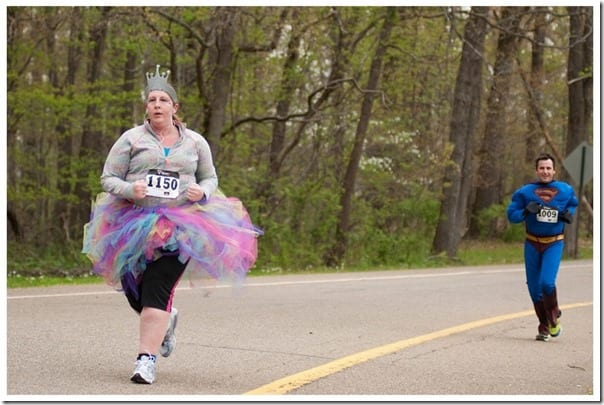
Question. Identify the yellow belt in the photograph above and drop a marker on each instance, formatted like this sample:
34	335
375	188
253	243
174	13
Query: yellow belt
545	239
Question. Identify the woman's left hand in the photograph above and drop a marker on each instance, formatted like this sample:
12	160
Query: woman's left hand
195	192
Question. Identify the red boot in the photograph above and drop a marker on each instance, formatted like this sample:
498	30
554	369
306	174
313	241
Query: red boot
552	312
543	329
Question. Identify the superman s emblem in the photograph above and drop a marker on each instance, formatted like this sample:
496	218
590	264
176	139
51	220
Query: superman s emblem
546	193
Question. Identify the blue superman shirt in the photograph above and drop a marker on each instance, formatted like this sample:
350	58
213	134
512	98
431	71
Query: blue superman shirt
556	197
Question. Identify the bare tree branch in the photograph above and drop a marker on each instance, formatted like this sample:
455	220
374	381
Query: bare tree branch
309	102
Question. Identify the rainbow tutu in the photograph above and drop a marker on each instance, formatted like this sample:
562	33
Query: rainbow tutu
215	238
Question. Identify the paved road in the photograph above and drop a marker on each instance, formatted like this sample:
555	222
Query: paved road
440	333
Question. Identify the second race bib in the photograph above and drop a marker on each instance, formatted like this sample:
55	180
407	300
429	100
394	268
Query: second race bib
547	215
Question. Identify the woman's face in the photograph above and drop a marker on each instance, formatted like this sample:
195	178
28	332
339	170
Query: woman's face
160	108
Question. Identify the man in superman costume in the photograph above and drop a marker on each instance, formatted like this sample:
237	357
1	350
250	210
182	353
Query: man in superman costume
544	206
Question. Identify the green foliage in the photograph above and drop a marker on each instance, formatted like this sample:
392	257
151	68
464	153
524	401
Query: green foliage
57	259
514	233
471	253
398	233
297	236
61	123
493	223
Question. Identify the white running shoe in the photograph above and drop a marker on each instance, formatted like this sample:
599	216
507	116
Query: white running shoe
144	371
169	343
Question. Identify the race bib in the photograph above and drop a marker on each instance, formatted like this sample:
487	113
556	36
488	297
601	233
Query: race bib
162	183
548	215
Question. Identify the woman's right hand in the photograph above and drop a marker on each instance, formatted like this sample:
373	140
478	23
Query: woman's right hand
140	189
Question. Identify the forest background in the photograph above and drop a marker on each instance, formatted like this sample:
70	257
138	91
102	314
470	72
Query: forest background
355	136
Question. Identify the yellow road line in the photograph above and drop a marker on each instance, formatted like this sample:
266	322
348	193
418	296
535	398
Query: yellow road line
294	381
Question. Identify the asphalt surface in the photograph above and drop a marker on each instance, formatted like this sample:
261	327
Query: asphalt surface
440	334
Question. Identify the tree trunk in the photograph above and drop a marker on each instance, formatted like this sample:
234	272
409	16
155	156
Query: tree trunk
579	99
284	101
492	162
338	250
49	178
91	140
66	140
464	120
534	141
222	57
15	227
130	80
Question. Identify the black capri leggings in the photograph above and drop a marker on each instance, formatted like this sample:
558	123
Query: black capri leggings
156	289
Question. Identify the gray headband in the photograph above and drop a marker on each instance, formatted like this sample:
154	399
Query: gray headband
159	81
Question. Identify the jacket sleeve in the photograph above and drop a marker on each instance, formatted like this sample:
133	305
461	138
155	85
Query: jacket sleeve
205	174
116	168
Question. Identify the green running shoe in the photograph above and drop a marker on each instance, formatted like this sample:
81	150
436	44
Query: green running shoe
555	330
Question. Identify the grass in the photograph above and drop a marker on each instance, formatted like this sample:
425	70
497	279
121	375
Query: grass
18	281
484	253
473	253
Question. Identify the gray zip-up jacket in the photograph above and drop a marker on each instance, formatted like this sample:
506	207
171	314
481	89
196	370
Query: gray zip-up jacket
139	150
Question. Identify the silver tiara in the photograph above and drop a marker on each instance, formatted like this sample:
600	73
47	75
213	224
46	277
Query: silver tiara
159	78
159	81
